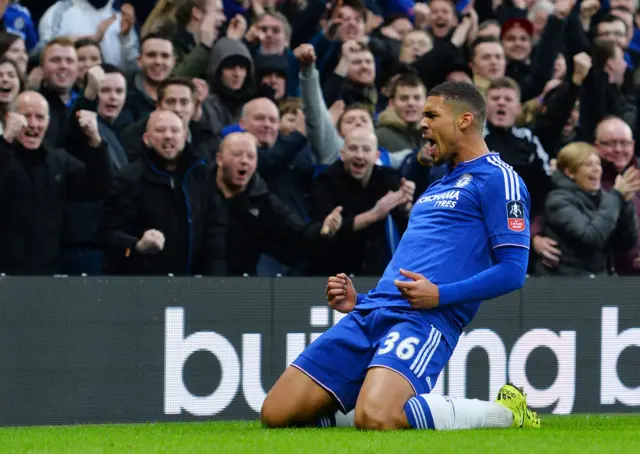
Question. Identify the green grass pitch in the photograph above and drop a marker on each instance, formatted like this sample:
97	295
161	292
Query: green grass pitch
560	434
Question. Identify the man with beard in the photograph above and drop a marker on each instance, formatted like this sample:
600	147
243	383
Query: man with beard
156	62
37	182
178	95
258	221
353	80
368	194
160	217
108	86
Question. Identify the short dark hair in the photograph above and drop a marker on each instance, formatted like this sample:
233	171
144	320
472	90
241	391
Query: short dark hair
155	36
608	19
504	82
108	68
408	79
176	80
465	94
482	40
6	41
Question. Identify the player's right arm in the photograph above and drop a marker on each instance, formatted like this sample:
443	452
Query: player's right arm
341	294
504	202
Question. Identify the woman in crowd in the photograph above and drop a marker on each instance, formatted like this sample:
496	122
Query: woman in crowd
13	48
585	221
11	84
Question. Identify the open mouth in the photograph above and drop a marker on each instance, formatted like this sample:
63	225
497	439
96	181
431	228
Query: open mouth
6	90
31	134
358	166
431	147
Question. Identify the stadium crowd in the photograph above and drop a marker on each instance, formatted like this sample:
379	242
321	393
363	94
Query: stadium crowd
281	137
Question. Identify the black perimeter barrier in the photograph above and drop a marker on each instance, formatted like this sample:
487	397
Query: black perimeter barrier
102	350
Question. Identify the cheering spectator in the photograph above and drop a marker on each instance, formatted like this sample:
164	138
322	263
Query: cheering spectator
367	194
518	147
605	91
161	217
530	69
13	48
614	142
588	223
414	45
193	26
157	60
231	78
107	84
487	62
353	80
271	36
89	55
272	71
37	182
180	96
443	18
398	129
98	20
258	221
10	86
59	65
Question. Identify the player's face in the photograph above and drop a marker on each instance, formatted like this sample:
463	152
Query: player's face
438	129
589	174
359	154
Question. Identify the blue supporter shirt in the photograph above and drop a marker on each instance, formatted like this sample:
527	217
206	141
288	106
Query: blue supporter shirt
453	230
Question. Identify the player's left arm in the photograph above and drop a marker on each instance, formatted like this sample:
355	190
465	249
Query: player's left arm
505	205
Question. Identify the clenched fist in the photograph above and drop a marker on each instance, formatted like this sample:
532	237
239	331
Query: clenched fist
305	54
95	79
14	123
88	122
152	242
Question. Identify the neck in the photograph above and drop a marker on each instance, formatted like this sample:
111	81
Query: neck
470	148
227	192
150	88
194	28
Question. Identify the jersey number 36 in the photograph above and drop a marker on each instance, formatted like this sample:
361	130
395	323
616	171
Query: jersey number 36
405	349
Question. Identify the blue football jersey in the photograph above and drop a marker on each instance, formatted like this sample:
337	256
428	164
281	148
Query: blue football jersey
453	229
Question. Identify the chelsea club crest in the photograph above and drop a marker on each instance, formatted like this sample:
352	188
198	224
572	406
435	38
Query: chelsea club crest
463	180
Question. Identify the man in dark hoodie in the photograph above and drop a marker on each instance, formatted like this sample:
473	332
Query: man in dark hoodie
160	216
231	80
258	221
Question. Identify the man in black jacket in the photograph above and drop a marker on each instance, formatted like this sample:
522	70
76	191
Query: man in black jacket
178	95
160	217
36	182
518	147
368	194
105	94
258	221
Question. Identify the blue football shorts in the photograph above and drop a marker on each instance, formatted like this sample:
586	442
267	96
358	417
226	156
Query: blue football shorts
398	339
